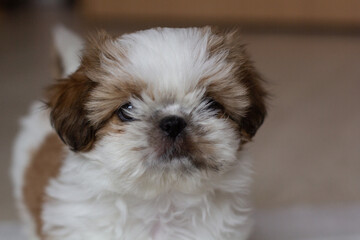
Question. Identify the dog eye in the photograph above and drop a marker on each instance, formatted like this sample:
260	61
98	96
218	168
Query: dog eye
123	112
213	105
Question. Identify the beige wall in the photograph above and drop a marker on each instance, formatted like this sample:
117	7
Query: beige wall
299	12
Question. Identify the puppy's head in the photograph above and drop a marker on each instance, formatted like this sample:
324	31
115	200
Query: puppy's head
160	106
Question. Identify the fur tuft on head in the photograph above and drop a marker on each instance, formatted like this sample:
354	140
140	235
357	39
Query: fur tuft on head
246	74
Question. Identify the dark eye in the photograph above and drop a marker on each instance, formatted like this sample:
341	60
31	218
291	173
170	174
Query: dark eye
123	112
213	105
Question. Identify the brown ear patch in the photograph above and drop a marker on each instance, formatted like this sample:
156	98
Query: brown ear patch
256	112
246	75
82	103
44	165
66	99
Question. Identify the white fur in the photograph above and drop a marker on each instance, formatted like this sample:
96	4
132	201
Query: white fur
171	61
34	128
182	52
116	193
87	205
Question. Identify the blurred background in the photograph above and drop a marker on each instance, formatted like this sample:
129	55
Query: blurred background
307	153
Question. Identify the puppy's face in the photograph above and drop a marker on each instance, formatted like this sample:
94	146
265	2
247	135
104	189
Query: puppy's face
162	108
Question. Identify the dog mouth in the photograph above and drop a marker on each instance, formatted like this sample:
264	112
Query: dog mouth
183	152
178	148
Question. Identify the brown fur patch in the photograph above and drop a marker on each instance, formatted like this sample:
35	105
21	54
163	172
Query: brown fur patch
113	125
101	54
82	103
227	92
101	48
67	98
105	99
44	165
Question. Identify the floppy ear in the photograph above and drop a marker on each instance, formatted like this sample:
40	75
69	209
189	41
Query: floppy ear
256	112
251	79
66	100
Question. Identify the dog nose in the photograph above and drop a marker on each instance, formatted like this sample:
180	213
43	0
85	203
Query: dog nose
172	125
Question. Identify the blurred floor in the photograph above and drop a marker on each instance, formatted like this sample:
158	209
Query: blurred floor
306	153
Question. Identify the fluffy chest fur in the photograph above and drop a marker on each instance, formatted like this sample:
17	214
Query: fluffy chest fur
218	211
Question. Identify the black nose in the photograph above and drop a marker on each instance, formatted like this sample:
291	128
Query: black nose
172	125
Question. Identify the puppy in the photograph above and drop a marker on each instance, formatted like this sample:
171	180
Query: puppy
145	141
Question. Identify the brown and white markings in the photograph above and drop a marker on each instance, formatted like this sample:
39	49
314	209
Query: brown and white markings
152	125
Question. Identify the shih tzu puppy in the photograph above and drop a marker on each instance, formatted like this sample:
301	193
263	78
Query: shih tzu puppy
142	138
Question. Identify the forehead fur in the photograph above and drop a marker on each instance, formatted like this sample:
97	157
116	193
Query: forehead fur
173	59
164	62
